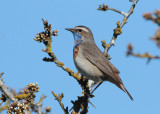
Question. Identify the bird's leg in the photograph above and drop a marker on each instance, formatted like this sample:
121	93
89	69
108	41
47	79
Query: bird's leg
91	84
96	87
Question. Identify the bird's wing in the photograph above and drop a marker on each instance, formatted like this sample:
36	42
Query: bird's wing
93	54
115	69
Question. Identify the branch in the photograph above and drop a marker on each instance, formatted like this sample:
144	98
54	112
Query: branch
155	19
81	105
5	107
119	25
156	37
9	94
146	55
59	99
1	74
39	104
37	107
46	38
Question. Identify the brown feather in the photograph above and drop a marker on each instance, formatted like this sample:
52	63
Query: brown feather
75	51
96	57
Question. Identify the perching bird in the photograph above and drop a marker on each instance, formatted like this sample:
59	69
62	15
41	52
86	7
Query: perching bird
90	61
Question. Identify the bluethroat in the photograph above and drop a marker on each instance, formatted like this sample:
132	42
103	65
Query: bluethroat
91	62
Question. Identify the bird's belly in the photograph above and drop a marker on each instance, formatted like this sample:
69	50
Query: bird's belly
87	69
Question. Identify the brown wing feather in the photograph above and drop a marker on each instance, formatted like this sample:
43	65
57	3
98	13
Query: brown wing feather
96	57
114	68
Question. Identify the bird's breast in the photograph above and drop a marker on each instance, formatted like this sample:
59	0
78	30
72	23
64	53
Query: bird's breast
85	67
76	48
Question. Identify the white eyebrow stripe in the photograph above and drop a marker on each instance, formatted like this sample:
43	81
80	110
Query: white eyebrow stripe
84	29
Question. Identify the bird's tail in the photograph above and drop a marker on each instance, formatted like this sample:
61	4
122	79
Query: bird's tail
125	90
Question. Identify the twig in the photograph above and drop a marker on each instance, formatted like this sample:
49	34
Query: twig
5	106
1	74
126	16
81	103
59	99
9	94
39	104
1	102
146	55
46	38
155	18
156	37
60	64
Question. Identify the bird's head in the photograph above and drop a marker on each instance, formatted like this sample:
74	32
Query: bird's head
82	34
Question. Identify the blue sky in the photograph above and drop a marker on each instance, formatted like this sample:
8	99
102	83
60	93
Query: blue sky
21	57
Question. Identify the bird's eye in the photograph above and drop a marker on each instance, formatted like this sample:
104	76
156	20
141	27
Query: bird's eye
80	30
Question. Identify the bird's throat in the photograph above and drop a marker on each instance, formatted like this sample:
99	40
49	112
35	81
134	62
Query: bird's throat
77	39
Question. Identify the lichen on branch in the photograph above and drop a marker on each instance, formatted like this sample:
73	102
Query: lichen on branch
59	98
46	38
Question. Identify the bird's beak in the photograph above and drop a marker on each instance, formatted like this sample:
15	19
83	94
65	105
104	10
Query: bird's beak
71	29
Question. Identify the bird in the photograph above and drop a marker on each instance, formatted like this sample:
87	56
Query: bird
90	60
